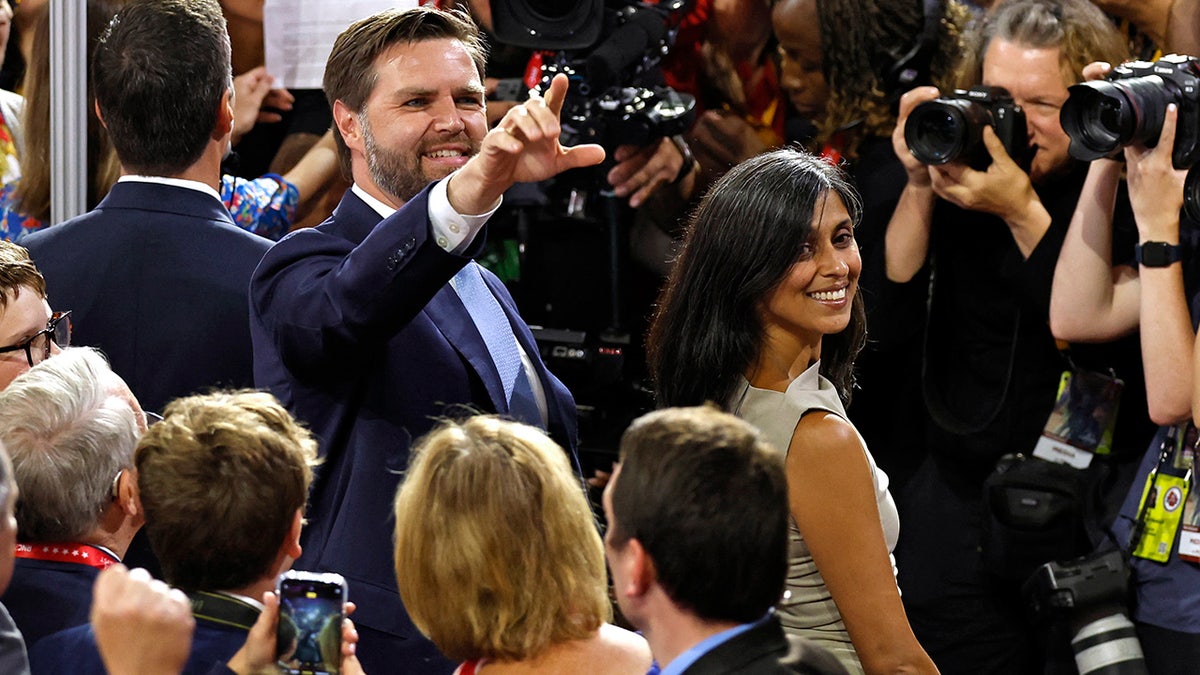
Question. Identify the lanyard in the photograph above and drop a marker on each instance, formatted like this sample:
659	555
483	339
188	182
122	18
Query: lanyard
81	554
1169	444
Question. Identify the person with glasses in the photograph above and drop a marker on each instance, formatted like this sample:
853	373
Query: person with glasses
29	331
70	425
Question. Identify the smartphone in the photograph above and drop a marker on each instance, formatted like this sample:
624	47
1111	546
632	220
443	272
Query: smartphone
311	608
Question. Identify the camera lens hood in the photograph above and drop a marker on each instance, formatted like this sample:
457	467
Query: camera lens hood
1099	118
944	130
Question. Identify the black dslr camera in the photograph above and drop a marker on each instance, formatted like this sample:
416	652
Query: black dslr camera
951	127
1087	597
1104	116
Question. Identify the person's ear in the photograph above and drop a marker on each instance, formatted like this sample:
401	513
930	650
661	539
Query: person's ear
643	570
349	126
96	106
224	116
292	544
128	497
637	567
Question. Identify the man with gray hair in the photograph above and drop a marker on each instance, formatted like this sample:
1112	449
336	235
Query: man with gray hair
70	425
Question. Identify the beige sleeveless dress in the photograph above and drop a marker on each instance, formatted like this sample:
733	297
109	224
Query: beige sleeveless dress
807	610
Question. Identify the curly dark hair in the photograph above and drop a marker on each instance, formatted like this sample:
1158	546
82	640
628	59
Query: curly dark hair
859	38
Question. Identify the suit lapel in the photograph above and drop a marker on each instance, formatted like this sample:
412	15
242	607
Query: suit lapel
454	322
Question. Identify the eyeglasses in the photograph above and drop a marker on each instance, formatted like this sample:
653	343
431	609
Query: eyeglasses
37	348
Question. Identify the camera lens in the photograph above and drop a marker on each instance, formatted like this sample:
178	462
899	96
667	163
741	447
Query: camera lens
1101	117
1108	646
944	130
1191	194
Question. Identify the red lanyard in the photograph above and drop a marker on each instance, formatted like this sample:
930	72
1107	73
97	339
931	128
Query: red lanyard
72	553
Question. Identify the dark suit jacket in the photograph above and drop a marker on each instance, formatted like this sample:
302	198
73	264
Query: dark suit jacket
47	596
156	276
765	650
74	652
357	331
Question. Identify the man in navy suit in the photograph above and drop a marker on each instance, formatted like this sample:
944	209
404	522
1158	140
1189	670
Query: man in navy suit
697	516
70	426
157	274
377	322
223	478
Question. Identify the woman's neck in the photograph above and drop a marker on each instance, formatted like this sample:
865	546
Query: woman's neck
781	359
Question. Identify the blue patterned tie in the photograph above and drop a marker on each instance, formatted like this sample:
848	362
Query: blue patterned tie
493	325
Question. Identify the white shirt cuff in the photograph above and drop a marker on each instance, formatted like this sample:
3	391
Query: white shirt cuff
453	231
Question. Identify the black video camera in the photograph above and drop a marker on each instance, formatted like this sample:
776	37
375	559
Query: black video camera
1103	116
1088	596
610	53
950	128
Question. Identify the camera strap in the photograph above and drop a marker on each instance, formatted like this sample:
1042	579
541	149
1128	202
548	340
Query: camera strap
223	609
1167	488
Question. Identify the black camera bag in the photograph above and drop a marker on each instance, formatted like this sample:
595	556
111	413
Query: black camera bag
1035	511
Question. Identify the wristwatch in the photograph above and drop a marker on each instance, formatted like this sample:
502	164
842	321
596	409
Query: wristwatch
1156	254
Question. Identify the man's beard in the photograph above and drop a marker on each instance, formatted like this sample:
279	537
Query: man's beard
401	174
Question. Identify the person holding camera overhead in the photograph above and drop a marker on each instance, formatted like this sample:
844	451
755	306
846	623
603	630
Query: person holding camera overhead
990	224
1104	289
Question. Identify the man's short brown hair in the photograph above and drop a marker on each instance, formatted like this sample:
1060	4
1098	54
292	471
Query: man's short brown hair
221	478
497	552
16	271
350	74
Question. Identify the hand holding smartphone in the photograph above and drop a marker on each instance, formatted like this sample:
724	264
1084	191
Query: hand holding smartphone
311	609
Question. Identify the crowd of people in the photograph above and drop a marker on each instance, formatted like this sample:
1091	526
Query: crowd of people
857	353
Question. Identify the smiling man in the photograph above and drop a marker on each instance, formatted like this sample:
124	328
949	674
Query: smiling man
377	322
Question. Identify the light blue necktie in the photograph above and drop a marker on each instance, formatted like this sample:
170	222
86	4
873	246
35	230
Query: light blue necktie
493	325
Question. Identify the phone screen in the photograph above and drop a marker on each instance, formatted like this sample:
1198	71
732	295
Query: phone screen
310	626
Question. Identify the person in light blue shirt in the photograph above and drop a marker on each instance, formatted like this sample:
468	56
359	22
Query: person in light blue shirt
697	516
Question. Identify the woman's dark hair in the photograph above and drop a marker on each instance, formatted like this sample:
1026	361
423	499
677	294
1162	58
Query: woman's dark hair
746	234
858	39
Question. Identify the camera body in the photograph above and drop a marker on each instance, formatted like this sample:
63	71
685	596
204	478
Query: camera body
1103	116
1088	595
309	635
950	128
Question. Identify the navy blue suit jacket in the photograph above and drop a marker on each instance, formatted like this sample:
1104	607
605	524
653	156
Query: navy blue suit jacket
357	331
766	650
74	652
47	596
157	278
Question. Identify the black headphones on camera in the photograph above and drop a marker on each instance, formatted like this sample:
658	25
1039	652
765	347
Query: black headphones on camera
901	70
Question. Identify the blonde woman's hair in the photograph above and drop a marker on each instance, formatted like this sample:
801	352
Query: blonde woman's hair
497	552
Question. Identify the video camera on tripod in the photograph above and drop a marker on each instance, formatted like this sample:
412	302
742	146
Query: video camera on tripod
610	52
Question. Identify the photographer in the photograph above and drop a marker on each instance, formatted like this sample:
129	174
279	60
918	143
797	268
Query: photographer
991	366
1104	289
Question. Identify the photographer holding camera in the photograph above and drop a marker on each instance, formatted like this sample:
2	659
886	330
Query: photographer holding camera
991	229
1103	289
